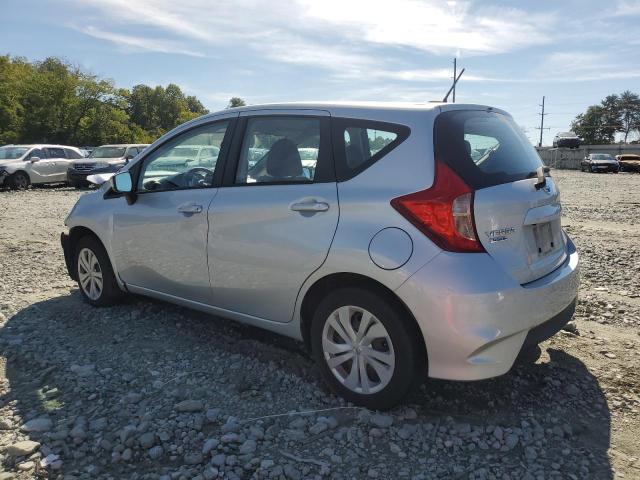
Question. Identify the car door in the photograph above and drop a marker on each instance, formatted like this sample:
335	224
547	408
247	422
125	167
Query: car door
37	165
271	226
56	164
159	242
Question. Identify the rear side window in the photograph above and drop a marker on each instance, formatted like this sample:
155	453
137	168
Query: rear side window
485	148
56	153
279	149
72	154
358	144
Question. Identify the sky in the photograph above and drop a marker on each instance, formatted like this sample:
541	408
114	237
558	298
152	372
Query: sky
573	52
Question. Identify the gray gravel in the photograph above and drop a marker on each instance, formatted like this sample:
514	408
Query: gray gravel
150	390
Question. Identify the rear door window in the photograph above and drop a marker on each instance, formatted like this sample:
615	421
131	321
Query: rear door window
72	154
281	149
485	148
358	144
56	153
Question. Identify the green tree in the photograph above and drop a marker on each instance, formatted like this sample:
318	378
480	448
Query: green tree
592	126
236	102
53	101
629	112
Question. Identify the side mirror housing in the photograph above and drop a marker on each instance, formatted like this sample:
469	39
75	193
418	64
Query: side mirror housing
34	159
128	157
122	182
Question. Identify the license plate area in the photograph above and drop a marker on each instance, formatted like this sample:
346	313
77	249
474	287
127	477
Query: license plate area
543	235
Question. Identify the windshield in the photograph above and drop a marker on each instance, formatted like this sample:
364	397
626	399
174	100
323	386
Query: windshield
108	152
485	148
11	153
184	152
601	156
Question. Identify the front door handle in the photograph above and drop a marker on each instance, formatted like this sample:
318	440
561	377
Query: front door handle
310	206
190	208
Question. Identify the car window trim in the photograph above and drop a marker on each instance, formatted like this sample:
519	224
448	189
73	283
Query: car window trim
217	174
326	174
339	126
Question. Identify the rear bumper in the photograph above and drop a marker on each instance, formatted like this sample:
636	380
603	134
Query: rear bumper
68	255
475	318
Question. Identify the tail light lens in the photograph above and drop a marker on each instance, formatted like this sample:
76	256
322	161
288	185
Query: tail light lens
443	212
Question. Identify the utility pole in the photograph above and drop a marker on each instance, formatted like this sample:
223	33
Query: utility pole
455	65
542	122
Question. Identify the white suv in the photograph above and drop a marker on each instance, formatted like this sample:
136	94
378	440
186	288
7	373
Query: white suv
421	238
22	165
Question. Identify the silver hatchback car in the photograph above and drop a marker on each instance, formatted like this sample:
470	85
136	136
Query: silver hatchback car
392	239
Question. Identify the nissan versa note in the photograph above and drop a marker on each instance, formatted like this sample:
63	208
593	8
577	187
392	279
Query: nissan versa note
424	238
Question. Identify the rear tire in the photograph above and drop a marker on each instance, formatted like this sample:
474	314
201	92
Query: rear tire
19	181
378	345
96	280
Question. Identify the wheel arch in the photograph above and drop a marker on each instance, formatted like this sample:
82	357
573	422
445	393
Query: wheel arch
334	281
25	172
80	231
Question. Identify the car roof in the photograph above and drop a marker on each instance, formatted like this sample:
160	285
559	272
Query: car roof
364	106
124	145
40	145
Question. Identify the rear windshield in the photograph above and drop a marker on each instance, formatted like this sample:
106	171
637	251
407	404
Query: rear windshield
108	152
485	148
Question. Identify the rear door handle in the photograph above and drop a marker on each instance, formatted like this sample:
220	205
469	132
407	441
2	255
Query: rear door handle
310	206
188	208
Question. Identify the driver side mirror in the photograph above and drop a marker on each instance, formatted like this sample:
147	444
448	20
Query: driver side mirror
34	159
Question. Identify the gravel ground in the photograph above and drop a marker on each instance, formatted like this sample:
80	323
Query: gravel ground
149	390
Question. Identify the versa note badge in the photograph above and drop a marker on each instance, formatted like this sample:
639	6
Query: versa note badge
500	234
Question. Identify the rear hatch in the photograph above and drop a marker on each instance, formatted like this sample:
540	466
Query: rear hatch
517	212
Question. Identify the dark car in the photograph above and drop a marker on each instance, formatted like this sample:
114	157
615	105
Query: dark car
599	162
104	159
566	140
629	162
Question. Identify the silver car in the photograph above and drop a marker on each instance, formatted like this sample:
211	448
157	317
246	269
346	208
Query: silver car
23	165
423	239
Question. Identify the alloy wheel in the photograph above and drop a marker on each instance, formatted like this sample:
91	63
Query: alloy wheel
358	350
21	182
90	274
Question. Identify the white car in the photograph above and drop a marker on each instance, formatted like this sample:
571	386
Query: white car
22	165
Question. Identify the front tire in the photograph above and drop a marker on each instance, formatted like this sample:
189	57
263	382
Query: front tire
96	280
363	348
19	181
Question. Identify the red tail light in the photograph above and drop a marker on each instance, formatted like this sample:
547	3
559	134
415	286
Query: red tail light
444	212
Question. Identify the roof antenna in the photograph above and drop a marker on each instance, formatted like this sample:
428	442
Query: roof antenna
455	81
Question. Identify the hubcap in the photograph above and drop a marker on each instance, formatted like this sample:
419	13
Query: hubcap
358	350
89	274
21	182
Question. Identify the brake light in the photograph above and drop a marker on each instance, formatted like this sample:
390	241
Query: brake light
444	212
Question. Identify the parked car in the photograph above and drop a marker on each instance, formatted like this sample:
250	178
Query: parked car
448	257
629	162
104	159
599	162
23	165
566	140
